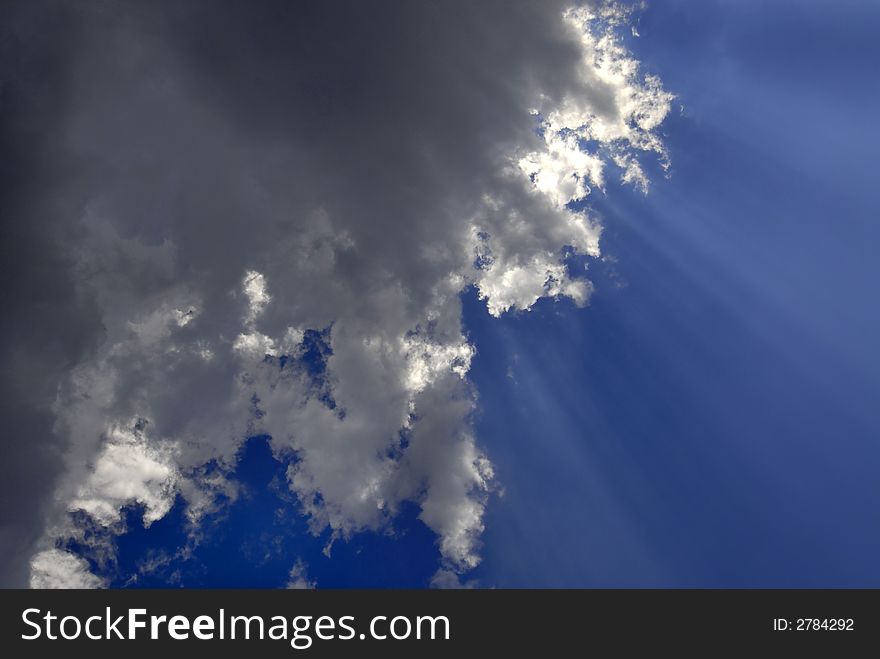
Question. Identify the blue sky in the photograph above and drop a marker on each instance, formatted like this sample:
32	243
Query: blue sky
711	418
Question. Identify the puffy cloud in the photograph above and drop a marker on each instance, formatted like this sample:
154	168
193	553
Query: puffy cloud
630	106
564	171
620	119
129	469
255	290
232	206
55	568
254	346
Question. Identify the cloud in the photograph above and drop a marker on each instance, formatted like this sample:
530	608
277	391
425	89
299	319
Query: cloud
447	579
234	197
55	568
298	579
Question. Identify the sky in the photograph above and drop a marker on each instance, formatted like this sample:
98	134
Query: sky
418	295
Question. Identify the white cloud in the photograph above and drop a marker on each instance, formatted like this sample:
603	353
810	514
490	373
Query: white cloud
254	345
426	360
298	579
55	568
640	104
564	171
254	288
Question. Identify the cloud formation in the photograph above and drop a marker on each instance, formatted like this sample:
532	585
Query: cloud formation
270	235
298	579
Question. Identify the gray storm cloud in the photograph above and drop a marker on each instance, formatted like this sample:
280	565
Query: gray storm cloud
205	185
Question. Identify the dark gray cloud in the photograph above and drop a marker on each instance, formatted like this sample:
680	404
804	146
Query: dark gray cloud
48	325
349	158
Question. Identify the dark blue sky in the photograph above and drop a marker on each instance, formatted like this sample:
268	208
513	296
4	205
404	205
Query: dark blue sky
712	418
